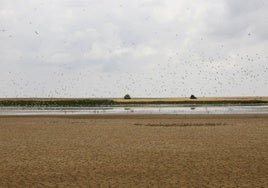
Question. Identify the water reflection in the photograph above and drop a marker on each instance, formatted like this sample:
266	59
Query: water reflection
158	109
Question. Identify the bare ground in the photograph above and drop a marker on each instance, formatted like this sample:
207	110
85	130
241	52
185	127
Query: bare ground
134	151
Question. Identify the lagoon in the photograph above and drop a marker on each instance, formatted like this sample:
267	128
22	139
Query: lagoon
144	109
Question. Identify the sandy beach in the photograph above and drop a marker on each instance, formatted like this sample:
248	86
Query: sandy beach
134	151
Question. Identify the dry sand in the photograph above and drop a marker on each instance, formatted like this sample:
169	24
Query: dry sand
134	151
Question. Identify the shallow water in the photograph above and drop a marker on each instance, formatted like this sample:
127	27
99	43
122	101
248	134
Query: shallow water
157	109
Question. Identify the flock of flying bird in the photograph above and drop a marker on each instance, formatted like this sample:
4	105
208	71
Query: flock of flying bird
174	79
179	75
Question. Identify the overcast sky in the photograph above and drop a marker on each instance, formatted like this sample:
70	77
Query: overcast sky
147	48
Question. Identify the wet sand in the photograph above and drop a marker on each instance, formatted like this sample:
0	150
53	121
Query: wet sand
134	151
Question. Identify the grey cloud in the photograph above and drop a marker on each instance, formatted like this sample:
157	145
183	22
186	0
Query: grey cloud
238	19
161	48
240	8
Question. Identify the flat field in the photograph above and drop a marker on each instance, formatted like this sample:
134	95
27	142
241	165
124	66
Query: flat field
249	98
134	151
170	99
87	102
199	99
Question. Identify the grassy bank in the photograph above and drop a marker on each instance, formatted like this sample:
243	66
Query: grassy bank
131	102
64	103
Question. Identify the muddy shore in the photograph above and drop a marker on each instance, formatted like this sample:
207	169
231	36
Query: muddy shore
134	151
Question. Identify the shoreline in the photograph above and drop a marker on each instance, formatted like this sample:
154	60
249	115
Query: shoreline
93	102
138	110
138	116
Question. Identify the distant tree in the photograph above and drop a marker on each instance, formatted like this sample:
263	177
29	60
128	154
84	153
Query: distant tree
193	97
127	96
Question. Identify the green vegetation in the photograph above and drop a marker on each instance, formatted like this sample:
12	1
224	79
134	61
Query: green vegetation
106	102
72	103
127	96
